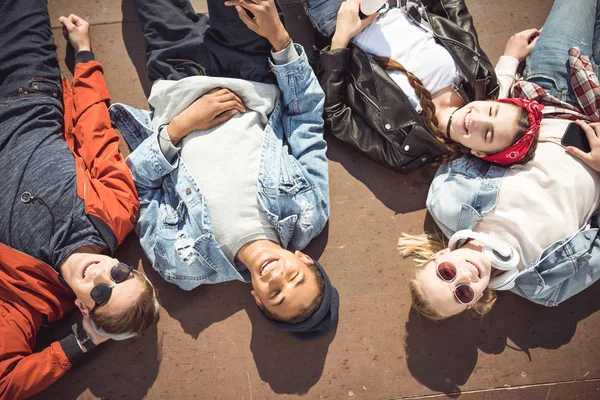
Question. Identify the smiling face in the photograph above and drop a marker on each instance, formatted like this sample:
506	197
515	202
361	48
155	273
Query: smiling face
471	267
83	271
284	283
485	127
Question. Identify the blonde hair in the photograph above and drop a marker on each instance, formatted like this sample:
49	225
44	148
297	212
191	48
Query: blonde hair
422	249
455	149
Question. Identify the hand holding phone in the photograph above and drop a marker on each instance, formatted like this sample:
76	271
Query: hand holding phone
575	136
583	141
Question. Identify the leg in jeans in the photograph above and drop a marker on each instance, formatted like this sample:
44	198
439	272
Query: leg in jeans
570	23
323	14
181	43
27	50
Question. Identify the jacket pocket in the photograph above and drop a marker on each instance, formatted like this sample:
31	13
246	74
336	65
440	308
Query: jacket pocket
419	148
551	281
178	260
292	180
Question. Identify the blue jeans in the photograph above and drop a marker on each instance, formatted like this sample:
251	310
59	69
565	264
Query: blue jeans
28	63
571	23
181	43
323	14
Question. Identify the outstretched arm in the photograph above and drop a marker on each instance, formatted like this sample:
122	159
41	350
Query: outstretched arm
517	49
302	96
103	179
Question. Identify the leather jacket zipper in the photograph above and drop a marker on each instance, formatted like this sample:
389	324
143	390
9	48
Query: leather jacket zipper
363	93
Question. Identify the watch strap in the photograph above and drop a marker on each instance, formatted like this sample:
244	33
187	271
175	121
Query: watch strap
82	337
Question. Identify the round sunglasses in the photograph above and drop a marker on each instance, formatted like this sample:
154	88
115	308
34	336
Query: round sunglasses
101	292
464	293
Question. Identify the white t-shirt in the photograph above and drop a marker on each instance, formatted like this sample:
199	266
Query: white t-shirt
394	35
224	160
545	200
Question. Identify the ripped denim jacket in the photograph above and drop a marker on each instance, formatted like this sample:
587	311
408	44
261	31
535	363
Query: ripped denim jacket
293	188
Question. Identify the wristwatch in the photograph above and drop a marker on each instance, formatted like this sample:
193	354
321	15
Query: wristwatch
82	337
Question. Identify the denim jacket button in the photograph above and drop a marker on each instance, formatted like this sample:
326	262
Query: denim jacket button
388	126
406	148
475	58
587	236
188	191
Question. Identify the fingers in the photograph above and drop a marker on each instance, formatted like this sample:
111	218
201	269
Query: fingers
249	22
66	22
223	117
583	156
247	4
231	104
232	97
590	131
369	20
224	100
532	43
77	21
531	33
225	95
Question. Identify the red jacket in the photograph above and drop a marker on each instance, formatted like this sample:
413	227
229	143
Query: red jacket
29	288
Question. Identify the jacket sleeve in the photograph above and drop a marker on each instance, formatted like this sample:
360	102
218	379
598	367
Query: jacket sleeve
343	122
454	10
302	119
506	72
107	185
22	376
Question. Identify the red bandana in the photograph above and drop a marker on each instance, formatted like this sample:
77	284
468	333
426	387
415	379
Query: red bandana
517	150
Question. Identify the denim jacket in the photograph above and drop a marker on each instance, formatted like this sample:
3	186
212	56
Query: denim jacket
466	190
174	224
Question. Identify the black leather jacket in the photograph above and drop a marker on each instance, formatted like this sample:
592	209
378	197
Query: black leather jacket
365	108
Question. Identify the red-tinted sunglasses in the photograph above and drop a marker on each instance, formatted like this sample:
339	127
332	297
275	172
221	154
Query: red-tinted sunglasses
464	293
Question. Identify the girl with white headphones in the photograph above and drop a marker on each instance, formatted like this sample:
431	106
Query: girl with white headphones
461	276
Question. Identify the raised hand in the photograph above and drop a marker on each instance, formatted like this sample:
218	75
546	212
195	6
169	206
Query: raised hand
77	31
349	24
210	110
592	159
520	44
265	21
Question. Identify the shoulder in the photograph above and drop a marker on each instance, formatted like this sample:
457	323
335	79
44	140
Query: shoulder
462	192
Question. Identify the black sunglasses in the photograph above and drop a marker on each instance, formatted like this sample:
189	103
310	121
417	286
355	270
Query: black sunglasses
101	292
464	293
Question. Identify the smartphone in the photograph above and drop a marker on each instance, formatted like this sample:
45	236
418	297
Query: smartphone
576	137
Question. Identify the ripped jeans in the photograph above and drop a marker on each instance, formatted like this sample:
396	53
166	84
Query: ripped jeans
571	23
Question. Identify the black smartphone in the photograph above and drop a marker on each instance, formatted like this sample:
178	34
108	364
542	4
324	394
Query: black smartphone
576	137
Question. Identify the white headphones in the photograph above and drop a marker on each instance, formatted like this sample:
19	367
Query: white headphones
501	254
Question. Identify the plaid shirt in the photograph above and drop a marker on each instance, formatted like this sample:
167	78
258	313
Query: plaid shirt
584	82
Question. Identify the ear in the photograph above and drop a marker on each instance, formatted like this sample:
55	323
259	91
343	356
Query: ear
305	259
82	307
479	154
257	299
